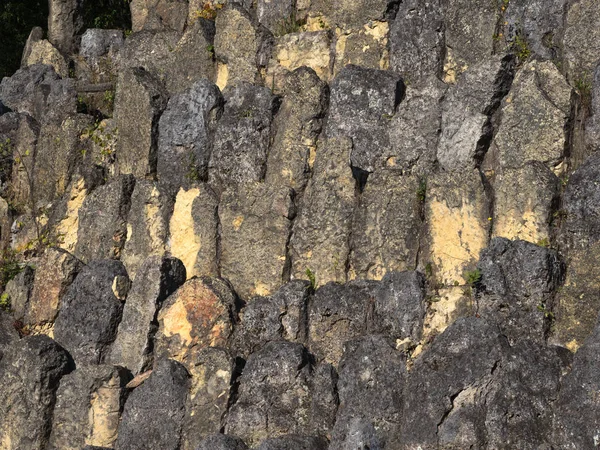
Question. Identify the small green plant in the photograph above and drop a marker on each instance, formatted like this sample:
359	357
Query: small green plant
109	98
211	50
422	190
82	106
544	243
583	85
428	270
208	11
311	278
521	48
5	302
10	266
193	172
247	114
472	277
289	25
547	313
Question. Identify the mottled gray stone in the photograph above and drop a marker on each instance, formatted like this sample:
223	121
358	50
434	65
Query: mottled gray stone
294	442
63	23
97	42
221	442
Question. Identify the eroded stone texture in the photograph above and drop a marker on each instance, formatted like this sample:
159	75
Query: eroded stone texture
193	230
370	388
365	46
243	135
25	145
158	277
534	117
158	15
31	370
88	405
415	128
445	307
237	45
43	52
274	14
362	103
256	221
154	412
386	226
338	313
18	291
417	40
581	39
298	124
147	225
294	442
275	393
456	213
320	234
467	109
208	399
525	201
102	229
198	315
55	271
222	442
185	131
91	310
266	319
8	332
142	96
62	23
518	281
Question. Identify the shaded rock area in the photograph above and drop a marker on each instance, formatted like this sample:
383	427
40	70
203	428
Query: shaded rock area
302	225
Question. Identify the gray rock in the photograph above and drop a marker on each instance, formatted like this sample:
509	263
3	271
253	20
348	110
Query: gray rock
370	388
62	23
417	40
153	414
254	257
156	15
294	442
354	14
31	370
97	42
221	442
157	278
18	290
91	311
362	102
243	135
8	332
102	227
518	282
142	96
580	39
36	35
592	124
280	370
40	92
89	402
266	319
386	226
276	14
186	129
338	313
212	374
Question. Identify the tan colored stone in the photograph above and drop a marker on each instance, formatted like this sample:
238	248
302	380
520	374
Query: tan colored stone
366	47
43	52
457	216
105	406
67	227
193	231
445	307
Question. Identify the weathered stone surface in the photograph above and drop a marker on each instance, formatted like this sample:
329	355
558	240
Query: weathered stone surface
417	40
88	405
31	370
338	313
62	24
158	15
320	234
581	43
185	131
294	50
40	92
97	42
274	397
275	14
178	60
577	303
237	45
91	310
370	388
354	14
193	230
208	399
36	35
8	332
256	221
365	46
153	414
222	442
147	225
525	201
467	110
64	221
158	277
102	229
466	353
456	213
298	124
55	271
294	442
415	128
266	319
518	281
142	96
445	307
243	135
198	315
18	291
23	154
534	117
576	417
43	52
386	226
362	101
592	124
